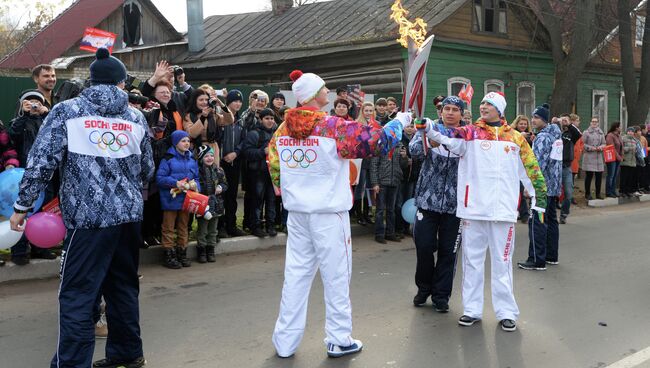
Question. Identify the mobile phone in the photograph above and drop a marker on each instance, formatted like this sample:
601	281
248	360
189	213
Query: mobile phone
220	92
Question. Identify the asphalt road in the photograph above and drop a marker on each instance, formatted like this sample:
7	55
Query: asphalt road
589	311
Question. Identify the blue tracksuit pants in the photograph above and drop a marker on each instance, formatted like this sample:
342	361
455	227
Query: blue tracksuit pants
96	263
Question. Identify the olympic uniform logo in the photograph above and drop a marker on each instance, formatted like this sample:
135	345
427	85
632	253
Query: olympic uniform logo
298	157
108	140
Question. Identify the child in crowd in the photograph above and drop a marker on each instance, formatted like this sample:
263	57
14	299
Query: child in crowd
212	180
255	149
177	173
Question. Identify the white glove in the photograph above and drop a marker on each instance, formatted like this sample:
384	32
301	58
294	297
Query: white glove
404	117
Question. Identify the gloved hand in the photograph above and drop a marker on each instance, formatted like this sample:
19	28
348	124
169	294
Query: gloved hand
404	117
423	126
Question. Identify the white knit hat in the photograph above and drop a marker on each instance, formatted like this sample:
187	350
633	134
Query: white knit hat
497	100
305	85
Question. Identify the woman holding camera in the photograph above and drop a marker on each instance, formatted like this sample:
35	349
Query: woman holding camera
202	122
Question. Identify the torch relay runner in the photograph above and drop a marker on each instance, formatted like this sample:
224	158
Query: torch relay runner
309	163
494	158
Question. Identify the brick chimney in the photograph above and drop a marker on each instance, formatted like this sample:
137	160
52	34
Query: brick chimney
281	6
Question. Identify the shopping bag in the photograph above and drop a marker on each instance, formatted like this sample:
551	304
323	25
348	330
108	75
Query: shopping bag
609	153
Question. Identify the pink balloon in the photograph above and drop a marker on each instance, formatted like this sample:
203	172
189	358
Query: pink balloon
45	230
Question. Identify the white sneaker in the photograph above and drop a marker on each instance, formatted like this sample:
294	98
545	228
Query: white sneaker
637	194
336	351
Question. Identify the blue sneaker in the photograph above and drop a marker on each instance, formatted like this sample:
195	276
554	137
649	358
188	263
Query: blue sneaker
335	351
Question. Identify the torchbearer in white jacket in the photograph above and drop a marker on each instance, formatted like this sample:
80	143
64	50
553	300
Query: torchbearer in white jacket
494	158
309	161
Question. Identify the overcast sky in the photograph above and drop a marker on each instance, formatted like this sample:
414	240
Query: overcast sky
173	10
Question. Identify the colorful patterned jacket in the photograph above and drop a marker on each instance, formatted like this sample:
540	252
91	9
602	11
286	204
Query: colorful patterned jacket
8	155
438	181
309	158
493	160
548	148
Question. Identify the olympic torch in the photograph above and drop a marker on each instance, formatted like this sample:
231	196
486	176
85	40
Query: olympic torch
412	36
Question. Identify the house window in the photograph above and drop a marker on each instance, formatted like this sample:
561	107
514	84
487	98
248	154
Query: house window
455	85
599	107
525	98
640	25
623	105
490	16
493	85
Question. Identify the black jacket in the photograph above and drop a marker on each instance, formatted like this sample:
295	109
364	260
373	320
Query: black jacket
231	138
209	178
23	131
569	139
411	172
253	148
161	144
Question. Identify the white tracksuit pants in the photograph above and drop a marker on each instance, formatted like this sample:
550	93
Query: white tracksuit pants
315	241
478	236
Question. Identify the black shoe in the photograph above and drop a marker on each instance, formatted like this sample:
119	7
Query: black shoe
152	241
236	232
181	255
144	245
440	306
524	220
271	231
420	298
20	260
563	220
170	259
598	196
258	232
42	253
362	221
370	220
209	251
200	254
588	198
552	262
2	262
110	363
380	239
508	325
530	265
467	320
393	238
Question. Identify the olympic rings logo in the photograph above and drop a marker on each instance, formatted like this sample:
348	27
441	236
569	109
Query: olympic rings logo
298	157
108	140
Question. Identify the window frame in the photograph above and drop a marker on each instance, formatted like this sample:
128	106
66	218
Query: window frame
479	26
603	92
530	84
452	80
493	81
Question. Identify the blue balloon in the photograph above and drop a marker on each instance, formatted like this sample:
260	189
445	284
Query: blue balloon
9	187
409	210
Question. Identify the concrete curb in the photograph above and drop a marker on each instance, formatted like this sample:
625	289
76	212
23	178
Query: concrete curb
617	201
45	269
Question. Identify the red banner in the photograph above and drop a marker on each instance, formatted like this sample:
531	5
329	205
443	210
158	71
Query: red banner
94	38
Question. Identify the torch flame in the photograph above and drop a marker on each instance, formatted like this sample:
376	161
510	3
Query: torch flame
417	30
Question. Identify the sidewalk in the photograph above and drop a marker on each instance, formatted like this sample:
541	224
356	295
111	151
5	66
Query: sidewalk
44	269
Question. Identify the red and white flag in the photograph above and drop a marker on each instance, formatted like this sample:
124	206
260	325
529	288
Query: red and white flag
466	93
94	38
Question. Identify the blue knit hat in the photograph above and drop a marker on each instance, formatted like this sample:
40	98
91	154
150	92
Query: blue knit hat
234	95
542	112
106	69
177	136
453	100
